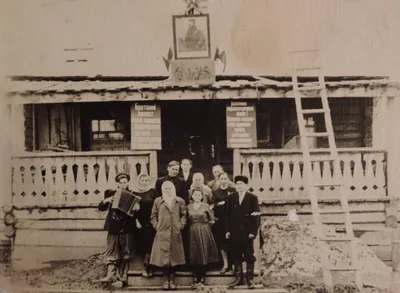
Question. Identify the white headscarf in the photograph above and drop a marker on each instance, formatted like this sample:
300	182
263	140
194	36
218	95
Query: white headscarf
168	197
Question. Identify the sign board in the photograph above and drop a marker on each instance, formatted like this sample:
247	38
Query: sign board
241	127
145	127
193	71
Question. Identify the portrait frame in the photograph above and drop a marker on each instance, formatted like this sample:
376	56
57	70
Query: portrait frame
191	42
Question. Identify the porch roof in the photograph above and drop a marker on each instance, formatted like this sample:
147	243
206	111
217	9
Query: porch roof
24	90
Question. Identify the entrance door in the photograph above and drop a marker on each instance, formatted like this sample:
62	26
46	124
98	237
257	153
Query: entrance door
192	129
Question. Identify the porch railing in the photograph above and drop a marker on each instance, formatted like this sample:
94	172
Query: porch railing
77	177
278	174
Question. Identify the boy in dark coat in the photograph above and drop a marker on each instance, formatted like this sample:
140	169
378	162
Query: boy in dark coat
120	227
242	224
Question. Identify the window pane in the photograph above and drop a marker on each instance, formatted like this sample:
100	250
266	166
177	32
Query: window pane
107	125
116	136
95	125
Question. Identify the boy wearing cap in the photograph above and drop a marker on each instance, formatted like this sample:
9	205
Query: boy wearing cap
242	224
120	228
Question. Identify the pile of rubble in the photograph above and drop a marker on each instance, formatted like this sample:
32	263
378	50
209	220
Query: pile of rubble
292	255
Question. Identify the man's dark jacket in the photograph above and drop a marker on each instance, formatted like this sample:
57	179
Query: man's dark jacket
239	221
116	221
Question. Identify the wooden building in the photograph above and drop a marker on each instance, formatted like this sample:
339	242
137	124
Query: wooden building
72	129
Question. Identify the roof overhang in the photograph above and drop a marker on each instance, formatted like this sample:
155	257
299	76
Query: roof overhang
74	91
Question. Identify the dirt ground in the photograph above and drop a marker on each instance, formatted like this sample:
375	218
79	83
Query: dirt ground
83	274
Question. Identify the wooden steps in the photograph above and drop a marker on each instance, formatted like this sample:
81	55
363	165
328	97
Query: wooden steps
137	289
183	279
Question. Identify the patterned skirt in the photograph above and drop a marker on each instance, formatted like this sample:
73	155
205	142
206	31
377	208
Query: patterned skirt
203	249
119	246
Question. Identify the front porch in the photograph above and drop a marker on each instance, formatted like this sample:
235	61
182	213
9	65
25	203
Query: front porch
55	193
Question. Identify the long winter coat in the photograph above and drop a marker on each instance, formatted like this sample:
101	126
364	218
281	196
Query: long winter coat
168	245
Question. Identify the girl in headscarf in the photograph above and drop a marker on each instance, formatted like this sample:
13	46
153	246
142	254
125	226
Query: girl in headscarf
203	249
198	184
145	231
168	217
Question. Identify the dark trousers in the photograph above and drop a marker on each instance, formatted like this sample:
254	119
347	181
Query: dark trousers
242	250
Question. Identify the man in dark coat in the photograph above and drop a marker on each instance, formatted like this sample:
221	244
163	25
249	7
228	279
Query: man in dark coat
186	172
120	237
180	184
242	224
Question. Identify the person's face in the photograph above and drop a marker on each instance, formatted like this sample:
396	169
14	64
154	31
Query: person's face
186	166
123	183
198	180
217	171
167	190
223	180
197	196
191	23
144	180
241	186
173	171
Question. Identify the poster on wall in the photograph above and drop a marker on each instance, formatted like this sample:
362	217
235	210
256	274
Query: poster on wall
241	127
191	36
146	127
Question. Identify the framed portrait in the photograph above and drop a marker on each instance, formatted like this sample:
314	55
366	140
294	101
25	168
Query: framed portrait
191	36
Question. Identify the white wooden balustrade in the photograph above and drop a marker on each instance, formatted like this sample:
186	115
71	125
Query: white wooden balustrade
278	174
68	178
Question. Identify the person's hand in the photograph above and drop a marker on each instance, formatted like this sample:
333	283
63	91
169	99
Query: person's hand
221	203
136	207
211	222
138	224
228	235
109	199
251	236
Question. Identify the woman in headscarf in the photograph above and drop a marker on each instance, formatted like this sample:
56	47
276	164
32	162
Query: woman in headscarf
218	201
168	217
145	231
198	184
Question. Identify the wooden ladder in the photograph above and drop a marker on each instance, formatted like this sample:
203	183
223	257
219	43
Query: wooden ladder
333	158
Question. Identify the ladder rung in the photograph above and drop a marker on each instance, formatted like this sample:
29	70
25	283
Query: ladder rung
311	88
314	111
325	159
333	211
307	68
343	269
337	239
317	134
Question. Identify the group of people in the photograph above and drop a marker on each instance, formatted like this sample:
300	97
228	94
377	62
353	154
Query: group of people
182	222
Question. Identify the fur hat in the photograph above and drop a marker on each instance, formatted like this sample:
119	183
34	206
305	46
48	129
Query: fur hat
242	178
121	176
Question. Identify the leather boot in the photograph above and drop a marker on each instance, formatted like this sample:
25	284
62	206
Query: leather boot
111	270
172	285
124	268
166	281
238	277
250	276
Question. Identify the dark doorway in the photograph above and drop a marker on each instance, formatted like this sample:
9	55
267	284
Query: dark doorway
194	130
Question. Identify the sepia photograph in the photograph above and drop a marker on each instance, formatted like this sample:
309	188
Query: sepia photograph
206	146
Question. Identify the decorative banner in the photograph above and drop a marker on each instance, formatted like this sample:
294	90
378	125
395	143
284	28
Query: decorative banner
193	71
241	127
146	127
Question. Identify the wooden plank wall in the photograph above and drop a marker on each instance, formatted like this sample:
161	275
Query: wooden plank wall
48	235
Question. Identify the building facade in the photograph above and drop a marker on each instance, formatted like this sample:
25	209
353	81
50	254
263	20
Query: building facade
76	123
